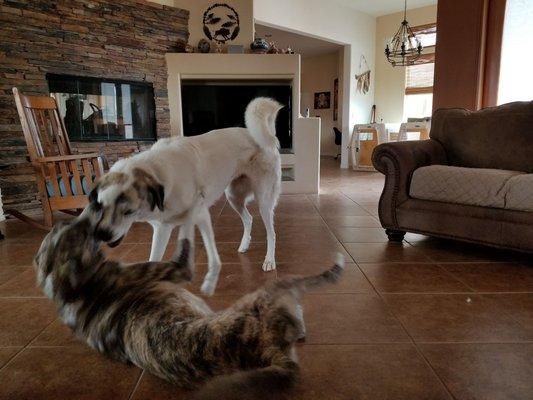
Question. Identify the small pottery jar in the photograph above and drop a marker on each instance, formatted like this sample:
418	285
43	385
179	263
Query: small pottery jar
204	46
259	46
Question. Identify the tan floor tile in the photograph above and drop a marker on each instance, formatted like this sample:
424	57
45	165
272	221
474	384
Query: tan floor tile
342	210
494	277
517	305
283	233
279	220
9	272
384	252
411	277
153	388
361	235
22	319
352	280
349	319
392	372
6	353
57	334
22	285
323	251
348	221
455	318
483	371
17	254
234	279
66	373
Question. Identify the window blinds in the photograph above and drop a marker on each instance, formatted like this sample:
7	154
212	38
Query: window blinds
419	78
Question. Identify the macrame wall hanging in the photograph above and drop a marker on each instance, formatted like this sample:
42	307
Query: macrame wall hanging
363	78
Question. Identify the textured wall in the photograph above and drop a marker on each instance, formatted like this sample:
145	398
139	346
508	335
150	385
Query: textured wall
123	39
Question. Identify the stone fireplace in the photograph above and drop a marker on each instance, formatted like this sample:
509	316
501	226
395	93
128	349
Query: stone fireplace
114	39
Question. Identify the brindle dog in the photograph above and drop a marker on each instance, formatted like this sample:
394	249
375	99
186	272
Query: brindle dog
141	314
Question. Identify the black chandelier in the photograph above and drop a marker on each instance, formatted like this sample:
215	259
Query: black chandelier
404	48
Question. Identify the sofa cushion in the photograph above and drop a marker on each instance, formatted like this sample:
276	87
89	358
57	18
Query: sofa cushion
470	186
519	193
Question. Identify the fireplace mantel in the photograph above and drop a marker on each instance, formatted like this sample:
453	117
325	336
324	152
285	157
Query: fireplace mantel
306	131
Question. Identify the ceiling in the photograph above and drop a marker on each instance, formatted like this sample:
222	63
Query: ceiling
305	45
384	7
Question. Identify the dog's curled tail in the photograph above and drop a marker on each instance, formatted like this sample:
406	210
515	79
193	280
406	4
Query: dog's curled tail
260	118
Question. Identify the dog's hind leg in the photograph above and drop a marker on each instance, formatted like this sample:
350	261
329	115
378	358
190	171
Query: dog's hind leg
203	220
238	193
266	208
160	240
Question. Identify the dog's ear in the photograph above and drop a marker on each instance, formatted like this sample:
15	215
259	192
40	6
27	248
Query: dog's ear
153	190
93	198
156	196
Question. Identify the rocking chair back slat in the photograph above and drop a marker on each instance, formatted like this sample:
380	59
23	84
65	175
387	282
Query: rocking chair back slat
76	175
87	171
66	177
52	175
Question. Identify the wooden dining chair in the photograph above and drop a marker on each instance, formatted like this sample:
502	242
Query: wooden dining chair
63	179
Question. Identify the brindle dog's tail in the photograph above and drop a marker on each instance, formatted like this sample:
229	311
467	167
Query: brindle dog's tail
302	284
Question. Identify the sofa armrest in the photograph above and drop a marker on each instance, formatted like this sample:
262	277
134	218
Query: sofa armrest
397	161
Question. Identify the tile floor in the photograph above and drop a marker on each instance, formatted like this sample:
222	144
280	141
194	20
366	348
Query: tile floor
425	319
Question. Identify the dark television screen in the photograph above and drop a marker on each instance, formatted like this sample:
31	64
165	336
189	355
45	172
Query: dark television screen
209	105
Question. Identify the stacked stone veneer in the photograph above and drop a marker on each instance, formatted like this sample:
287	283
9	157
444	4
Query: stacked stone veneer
123	39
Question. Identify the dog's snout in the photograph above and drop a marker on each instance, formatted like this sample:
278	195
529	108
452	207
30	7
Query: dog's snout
104	235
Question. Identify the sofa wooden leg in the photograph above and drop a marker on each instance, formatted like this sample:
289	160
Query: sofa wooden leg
394	235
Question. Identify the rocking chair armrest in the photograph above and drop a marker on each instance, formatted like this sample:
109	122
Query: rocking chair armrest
67	158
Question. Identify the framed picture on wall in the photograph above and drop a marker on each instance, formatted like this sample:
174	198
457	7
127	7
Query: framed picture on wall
336	99
322	100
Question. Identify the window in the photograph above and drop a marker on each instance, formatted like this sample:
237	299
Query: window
418	100
419	78
427	34
516	79
96	109
417	106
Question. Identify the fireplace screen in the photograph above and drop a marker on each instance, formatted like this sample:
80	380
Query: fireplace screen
104	110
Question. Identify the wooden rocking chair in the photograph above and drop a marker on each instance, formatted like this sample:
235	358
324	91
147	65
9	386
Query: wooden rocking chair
64	179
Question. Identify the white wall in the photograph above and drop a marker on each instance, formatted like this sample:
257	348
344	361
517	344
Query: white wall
337	23
318	74
390	81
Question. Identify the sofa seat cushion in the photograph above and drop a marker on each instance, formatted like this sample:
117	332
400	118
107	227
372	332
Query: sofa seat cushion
519	193
469	186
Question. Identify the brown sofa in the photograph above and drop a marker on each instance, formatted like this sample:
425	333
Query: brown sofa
471	181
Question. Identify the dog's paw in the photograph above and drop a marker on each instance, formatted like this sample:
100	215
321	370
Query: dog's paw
245	244
269	265
208	288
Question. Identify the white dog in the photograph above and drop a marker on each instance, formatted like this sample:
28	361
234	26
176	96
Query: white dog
178	179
